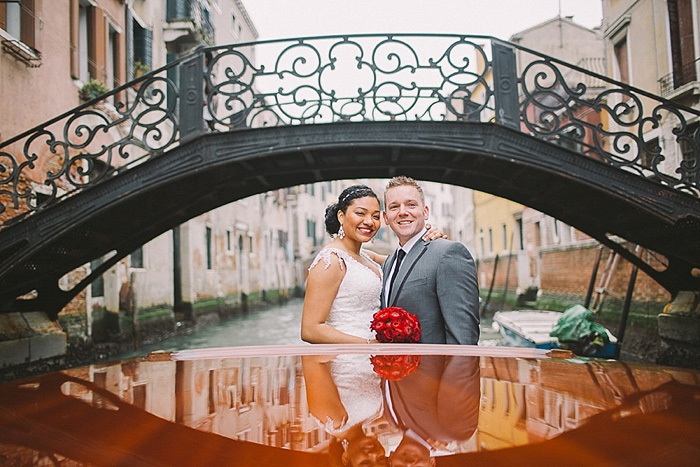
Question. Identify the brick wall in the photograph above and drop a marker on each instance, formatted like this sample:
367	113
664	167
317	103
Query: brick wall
568	272
485	273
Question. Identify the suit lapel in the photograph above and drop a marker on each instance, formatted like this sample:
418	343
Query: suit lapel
408	263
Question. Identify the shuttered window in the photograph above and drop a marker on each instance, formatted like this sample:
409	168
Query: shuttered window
680	18
97	28
178	9
18	19
143	45
622	62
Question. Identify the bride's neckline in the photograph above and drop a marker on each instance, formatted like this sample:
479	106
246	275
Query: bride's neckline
349	255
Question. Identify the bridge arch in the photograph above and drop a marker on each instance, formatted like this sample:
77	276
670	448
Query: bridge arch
472	111
125	212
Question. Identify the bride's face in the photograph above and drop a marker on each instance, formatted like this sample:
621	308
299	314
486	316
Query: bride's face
361	219
366	451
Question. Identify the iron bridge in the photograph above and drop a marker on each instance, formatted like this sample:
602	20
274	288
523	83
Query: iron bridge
475	111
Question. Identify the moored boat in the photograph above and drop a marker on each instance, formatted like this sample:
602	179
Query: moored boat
532	328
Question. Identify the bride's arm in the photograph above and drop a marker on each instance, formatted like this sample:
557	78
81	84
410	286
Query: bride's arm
321	289
432	233
321	391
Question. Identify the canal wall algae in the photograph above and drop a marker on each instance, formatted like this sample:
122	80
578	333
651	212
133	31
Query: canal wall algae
138	337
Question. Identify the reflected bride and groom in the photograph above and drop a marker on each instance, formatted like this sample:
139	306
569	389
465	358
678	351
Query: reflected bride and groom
393	409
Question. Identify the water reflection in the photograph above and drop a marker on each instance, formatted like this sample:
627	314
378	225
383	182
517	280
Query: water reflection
332	410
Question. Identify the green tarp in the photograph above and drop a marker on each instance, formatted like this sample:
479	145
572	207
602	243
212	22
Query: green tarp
577	330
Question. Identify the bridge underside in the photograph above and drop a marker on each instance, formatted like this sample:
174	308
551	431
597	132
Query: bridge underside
132	208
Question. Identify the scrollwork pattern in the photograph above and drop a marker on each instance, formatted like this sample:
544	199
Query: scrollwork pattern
374	77
610	121
87	145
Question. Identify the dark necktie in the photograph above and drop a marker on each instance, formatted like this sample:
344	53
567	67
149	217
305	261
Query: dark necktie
399	257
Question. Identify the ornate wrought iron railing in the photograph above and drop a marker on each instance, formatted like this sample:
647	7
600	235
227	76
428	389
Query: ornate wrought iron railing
397	77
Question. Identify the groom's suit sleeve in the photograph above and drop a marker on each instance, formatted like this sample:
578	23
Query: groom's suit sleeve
458	295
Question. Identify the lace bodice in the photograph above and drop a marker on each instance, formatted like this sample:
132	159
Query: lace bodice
358	296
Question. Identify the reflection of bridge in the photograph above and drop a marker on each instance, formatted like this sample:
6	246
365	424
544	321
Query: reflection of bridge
116	172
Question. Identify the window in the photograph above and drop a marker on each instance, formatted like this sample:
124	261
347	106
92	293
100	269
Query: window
143	45
18	19
504	236
481	242
310	228
139	396
229	241
680	18
208	241
283	238
250	244
80	55
212	391
622	61
111	64
490	240
649	150
137	258
95	44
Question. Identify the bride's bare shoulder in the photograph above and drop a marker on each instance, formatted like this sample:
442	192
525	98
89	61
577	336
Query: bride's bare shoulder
374	256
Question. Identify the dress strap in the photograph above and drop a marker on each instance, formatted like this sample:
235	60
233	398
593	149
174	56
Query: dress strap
368	257
325	255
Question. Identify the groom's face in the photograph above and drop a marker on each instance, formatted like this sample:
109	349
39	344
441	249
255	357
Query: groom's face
405	212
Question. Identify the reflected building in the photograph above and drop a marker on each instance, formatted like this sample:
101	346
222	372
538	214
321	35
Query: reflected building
263	399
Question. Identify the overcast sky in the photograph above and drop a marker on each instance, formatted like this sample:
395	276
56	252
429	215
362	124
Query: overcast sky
500	18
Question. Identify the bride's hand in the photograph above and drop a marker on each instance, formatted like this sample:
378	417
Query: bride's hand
433	233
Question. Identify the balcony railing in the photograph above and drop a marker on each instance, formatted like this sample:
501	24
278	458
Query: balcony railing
674	80
194	11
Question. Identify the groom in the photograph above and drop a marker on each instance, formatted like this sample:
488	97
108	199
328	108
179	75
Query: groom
433	406
435	280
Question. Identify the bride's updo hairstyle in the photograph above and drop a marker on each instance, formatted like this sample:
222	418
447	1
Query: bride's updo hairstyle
345	199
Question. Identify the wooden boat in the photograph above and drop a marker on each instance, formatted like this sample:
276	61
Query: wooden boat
531	328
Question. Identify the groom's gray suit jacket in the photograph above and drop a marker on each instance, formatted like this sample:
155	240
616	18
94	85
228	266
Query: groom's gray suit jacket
437	282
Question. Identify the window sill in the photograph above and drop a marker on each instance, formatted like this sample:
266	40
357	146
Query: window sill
22	52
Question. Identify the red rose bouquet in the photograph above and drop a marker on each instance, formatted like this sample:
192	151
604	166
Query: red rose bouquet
394	324
395	367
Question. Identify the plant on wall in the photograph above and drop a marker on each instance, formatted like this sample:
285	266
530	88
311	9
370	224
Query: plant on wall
92	89
140	69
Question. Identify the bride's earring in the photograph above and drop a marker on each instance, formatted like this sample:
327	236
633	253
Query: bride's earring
341	233
344	443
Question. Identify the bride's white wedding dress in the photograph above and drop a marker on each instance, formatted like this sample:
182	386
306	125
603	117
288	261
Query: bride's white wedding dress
358	297
357	300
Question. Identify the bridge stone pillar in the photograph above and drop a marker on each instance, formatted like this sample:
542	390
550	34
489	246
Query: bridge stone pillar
191	109
505	85
679	327
185	273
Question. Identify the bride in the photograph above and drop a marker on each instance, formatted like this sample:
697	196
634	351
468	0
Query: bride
344	284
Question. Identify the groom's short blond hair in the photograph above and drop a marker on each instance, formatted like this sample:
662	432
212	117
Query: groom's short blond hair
403	180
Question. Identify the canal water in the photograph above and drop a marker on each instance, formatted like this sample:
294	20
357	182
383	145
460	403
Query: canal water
276	325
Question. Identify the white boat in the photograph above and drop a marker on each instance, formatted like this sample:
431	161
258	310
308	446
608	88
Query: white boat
527	328
531	328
